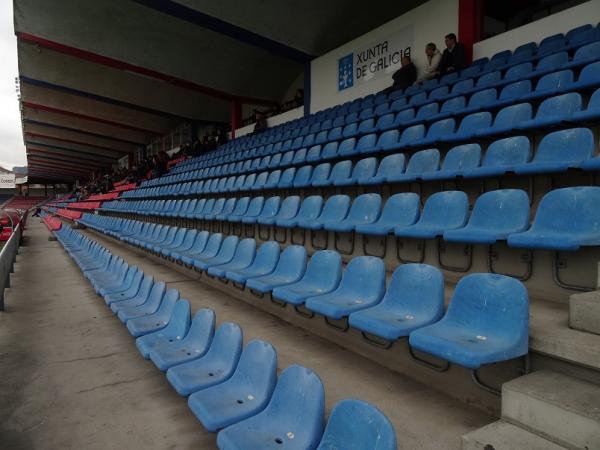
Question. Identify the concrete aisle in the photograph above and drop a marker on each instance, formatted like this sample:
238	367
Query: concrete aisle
72	377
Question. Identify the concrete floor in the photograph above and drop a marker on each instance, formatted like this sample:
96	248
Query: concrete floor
72	376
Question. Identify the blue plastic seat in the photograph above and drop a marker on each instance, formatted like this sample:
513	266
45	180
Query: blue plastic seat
419	163
589	77
335	210
364	169
584	55
507	119
357	425
512	92
554	111
303	177
269	211
245	394
128	309
566	219
197	247
139	292
401	209
365	209
215	367
264	263
480	100
193	345
560	151
443	211
551	84
496	214
241	207
177	327
414	298
362	286
298	404
408	137
290	268
390	165
469	125
288	210
151	317
322	275
287	178
310	209
457	160
321	174
340	171
254	209
438	132
242	258
592	113
487	322
225	254
502	156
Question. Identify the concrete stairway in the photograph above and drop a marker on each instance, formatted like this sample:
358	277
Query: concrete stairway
543	410
584	310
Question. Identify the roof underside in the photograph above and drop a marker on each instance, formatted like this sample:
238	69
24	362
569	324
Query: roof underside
99	79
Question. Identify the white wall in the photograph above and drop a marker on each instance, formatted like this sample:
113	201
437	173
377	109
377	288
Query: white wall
272	121
588	12
431	22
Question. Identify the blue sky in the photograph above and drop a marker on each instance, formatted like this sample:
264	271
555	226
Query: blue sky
12	150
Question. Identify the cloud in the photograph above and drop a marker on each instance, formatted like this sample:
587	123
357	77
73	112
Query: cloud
12	150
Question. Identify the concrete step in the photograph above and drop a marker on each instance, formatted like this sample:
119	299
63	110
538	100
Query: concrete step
501	435
584	312
560	408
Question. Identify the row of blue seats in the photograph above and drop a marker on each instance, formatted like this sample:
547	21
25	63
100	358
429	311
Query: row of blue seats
558	151
292	129
562	108
231	390
566	218
412	306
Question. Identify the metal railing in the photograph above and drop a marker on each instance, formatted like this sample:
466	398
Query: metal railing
8	255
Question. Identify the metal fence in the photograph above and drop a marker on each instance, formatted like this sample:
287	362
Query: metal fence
8	254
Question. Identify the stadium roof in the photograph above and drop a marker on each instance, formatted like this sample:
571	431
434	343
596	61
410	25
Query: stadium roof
98	79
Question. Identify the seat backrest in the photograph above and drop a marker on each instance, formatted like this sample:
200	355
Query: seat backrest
313	153
438	93
502	210
298	402
482	98
417	288
412	134
267	257
560	106
368	141
287	177
388	138
424	161
241	206
330	150
508	152
274	178
391	165
401	209
427	111
447	209
354	424
441	128
574	144
365	168
228	247
324	269
321	172
255	206
489	78
336	208
213	244
289	207
576	31
475	121
364	277
491	305
594	102
271	207
462	157
555	80
513	115
226	343
257	369
292	262
515	90
311	207
365	208
454	104
303	175
341	170
588	51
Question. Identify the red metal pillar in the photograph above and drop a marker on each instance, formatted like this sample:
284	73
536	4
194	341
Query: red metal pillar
470	24
236	116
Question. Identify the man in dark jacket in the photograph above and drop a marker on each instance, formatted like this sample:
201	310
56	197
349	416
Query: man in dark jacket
405	76
453	58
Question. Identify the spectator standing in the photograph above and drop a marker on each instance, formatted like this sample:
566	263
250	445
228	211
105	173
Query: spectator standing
454	57
432	62
261	122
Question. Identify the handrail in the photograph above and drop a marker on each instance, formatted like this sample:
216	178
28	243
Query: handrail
8	254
